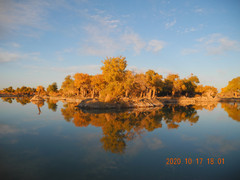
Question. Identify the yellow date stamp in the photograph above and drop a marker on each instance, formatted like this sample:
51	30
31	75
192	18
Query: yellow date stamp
197	161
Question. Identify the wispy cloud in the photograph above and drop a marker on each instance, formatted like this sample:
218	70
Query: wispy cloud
101	36
199	10
213	44
6	129
191	29
15	15
133	40
170	24
216	44
106	21
105	36
8	56
155	45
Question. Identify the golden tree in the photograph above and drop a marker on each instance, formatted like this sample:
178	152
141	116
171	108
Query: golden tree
68	87
97	84
154	81
82	82
233	87
113	71
40	90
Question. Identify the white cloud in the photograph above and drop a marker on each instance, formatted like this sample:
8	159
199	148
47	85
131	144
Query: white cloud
134	40
101	38
170	24
191	29
155	45
15	14
216	44
100	43
7	56
106	21
105	36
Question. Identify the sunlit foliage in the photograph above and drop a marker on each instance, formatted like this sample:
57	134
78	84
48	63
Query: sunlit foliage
40	90
52	88
68	88
233	88
208	91
116	82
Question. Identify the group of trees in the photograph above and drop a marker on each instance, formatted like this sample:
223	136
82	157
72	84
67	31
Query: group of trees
233	88
28	91
19	91
116	82
52	89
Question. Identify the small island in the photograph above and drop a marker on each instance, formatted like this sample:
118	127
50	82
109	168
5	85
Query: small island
118	87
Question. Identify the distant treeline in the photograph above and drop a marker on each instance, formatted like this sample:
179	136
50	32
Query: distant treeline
116	82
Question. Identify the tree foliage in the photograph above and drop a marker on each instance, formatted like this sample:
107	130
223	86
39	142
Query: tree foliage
68	87
52	87
116	82
233	87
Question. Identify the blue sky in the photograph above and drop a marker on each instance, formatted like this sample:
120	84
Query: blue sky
43	41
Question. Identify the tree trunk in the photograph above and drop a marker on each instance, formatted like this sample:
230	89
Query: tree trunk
126	93
149	93
154	92
93	93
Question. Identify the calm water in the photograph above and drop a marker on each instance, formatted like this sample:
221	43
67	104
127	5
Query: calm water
56	141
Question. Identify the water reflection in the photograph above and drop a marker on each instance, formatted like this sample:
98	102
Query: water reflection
119	127
39	105
21	100
210	106
7	99
122	126
233	110
52	104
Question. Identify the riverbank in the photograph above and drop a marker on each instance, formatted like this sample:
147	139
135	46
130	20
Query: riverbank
91	103
15	95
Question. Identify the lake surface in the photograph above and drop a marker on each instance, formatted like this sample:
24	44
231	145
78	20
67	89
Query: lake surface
54	140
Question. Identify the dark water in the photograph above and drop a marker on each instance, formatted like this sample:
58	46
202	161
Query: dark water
56	141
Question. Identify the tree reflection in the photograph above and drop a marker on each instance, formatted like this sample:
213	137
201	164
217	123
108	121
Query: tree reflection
175	114
206	105
23	100
39	105
52	104
120	127
7	99
233	110
68	111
